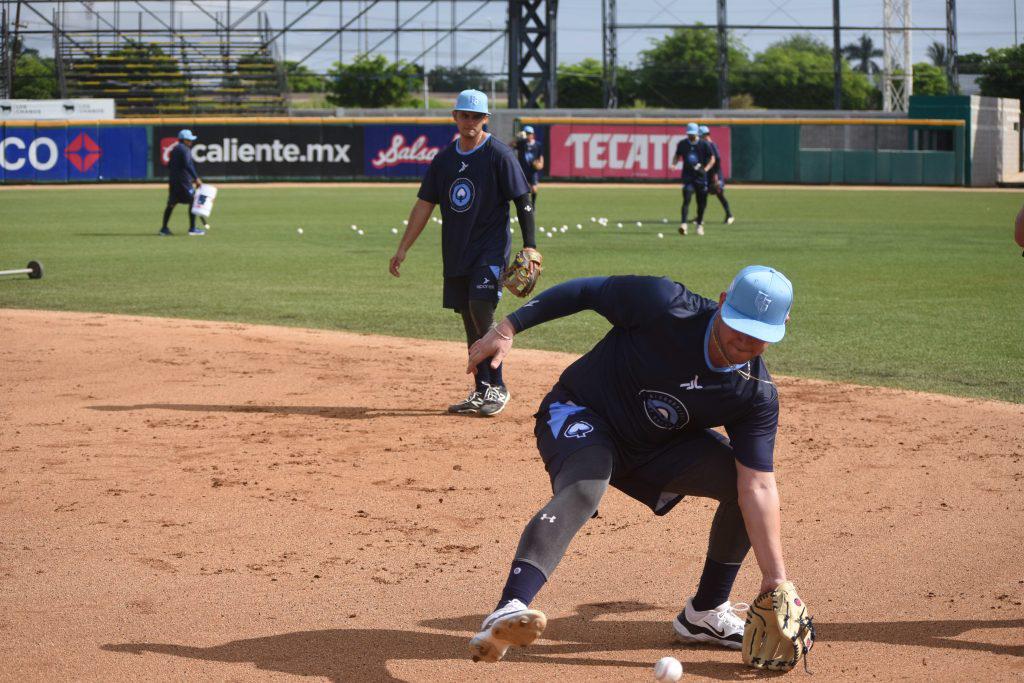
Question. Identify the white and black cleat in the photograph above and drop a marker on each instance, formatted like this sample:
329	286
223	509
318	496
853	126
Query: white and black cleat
719	626
513	624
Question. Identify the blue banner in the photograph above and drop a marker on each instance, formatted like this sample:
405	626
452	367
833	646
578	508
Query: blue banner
403	150
73	153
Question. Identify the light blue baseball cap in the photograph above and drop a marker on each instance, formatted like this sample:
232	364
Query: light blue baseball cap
758	302
692	129
472	100
527	129
186	134
704	130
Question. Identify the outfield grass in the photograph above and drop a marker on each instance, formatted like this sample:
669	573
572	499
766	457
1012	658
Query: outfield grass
915	289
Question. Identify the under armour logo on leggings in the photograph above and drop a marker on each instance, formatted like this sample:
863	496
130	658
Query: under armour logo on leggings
551	519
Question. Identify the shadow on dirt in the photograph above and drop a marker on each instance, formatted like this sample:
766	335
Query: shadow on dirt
330	412
363	654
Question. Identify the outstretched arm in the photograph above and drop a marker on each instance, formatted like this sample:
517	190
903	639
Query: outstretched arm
759	502
418	217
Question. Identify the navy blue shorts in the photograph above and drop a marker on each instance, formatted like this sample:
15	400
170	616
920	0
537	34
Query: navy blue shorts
563	428
180	195
482	284
533	178
696	184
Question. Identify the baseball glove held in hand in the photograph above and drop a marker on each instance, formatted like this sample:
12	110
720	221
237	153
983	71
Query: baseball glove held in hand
520	277
779	631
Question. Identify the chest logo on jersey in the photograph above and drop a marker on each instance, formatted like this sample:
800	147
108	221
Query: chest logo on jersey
665	411
578	430
461	194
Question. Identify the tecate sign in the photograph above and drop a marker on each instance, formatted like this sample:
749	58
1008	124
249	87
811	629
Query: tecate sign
621	151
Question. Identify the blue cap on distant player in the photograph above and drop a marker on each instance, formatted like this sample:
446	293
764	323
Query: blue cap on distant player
704	130
186	134
692	129
527	129
758	302
472	100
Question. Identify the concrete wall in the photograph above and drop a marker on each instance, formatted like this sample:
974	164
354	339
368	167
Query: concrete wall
995	147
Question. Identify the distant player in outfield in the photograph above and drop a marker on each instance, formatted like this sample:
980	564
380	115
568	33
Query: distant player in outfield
639	413
531	159
183	179
473	179
716	174
697	159
1018	233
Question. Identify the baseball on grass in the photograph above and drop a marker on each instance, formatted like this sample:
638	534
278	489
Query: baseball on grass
661	235
668	670
394	231
359	232
299	230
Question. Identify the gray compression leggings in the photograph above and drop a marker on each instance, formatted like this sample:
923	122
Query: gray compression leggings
581	483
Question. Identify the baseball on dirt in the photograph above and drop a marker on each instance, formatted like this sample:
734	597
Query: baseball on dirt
668	670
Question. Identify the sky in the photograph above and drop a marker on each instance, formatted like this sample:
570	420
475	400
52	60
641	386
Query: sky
981	24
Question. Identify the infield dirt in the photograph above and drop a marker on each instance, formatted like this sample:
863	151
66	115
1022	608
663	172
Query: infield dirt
210	501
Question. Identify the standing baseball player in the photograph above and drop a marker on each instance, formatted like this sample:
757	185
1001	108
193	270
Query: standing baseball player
697	161
637	412
716	175
473	179
183	179
531	159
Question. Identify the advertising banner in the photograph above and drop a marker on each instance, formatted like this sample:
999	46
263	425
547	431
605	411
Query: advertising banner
48	153
622	150
62	110
259	151
403	150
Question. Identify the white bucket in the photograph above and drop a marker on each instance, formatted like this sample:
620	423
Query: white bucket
202	202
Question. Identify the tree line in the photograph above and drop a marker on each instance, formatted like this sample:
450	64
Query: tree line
679	70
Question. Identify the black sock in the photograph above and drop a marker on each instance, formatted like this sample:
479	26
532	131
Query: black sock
715	584
191	221
483	375
725	203
523	584
496	379
167	216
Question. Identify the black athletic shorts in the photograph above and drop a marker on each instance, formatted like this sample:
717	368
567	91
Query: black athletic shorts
564	427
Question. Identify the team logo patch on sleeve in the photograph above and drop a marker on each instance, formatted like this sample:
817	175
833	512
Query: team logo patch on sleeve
665	411
461	195
578	430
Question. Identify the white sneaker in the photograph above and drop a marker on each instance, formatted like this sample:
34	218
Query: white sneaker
513	624
682	228
700	228
730	220
720	625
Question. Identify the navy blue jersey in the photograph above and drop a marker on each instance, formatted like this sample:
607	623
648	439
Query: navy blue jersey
717	170
474	189
527	152
650	377
182	170
693	153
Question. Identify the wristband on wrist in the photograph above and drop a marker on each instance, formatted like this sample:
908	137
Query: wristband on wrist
494	327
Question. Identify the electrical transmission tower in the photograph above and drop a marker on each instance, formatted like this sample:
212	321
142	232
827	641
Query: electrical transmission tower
898	68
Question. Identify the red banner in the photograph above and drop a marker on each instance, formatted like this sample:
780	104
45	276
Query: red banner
623	150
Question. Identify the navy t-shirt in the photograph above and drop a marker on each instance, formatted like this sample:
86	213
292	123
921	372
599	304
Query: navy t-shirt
650	377
181	169
717	170
474	189
693	153
528	152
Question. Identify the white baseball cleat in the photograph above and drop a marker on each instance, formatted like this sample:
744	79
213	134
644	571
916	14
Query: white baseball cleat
700	228
721	625
729	220
513	624
682	228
